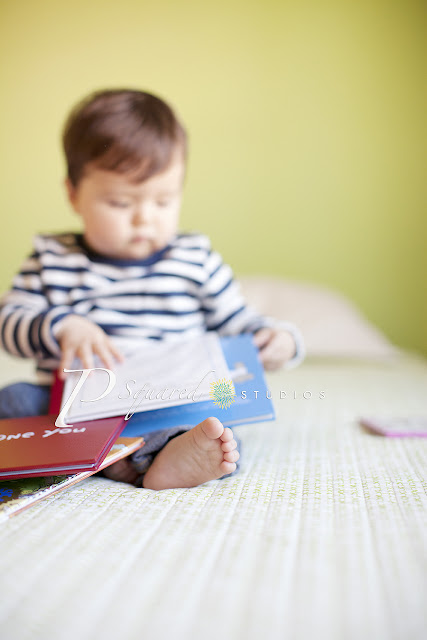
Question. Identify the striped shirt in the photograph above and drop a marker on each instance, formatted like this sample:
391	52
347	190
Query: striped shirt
184	289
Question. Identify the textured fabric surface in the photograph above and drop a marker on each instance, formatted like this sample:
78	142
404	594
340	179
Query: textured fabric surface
322	534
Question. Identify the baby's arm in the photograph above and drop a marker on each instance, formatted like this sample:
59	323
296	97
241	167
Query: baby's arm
27	320
30	326
226	311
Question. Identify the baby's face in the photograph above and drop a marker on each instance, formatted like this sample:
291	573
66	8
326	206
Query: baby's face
129	221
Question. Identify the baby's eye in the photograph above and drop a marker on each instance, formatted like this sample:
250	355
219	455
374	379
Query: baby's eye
163	203
116	203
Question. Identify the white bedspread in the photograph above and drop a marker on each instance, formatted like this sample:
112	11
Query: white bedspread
321	535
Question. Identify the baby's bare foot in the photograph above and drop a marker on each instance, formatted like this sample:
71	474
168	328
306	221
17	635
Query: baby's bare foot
121	471
206	452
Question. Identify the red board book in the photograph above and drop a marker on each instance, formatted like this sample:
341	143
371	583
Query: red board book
34	446
56	392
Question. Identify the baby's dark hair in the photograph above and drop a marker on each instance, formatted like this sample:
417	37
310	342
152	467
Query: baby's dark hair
121	130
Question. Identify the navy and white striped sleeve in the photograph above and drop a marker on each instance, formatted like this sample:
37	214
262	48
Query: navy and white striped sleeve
27	321
226	310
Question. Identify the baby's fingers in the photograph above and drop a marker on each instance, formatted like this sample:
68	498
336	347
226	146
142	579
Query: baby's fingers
67	358
115	351
268	351
86	355
262	337
107	351
269	362
104	354
271	355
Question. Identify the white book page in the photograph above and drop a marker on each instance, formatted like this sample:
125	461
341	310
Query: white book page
159	374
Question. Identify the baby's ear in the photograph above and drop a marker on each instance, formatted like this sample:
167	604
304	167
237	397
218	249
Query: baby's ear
71	191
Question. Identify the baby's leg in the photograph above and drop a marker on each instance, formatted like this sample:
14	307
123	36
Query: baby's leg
206	452
24	399
133	468
179	457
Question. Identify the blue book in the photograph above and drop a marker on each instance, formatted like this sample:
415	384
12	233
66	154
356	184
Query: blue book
251	403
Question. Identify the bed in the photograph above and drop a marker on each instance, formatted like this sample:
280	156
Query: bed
321	534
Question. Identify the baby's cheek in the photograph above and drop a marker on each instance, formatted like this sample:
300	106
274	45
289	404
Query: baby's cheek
116	229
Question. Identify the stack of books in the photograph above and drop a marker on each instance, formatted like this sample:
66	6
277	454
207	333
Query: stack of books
24	491
95	420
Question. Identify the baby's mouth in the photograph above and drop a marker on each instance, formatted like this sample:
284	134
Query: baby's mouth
140	238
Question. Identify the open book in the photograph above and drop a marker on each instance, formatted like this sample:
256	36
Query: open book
161	374
178	383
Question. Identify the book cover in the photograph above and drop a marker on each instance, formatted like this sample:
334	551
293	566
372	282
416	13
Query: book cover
34	446
396	427
17	495
250	402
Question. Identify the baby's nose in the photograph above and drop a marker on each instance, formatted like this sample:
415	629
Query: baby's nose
141	215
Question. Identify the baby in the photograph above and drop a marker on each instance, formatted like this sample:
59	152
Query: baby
131	276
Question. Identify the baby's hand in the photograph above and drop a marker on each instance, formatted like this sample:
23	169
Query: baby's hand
276	347
78	336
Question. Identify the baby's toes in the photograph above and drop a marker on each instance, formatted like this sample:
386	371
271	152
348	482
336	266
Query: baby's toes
227	467
229	446
231	456
210	428
227	435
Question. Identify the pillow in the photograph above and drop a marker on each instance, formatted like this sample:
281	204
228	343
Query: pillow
331	325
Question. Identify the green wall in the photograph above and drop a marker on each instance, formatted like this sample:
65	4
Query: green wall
305	123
